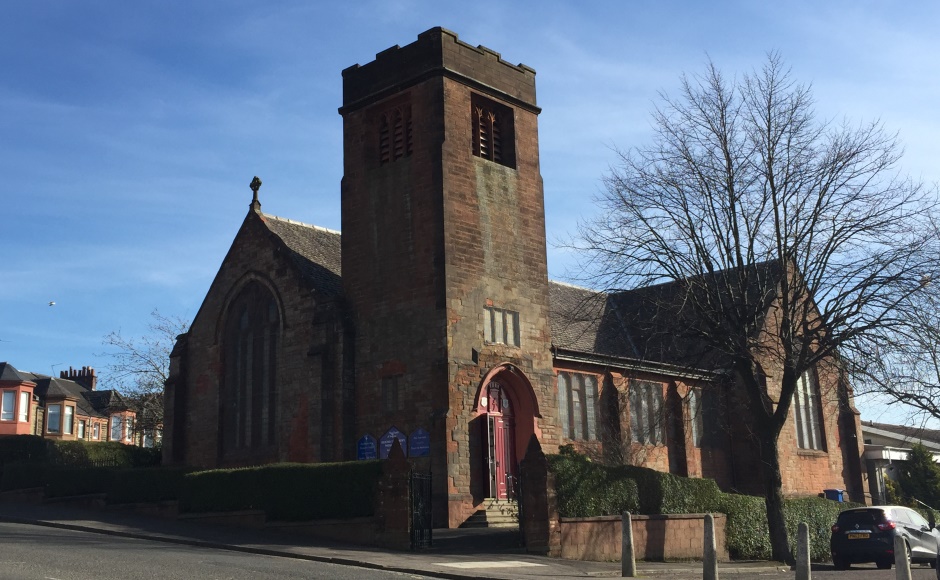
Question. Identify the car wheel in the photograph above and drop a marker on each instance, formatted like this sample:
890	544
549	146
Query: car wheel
840	563
884	564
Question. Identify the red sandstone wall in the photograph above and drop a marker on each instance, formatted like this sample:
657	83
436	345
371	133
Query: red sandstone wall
254	256
430	239
735	464
494	234
656	538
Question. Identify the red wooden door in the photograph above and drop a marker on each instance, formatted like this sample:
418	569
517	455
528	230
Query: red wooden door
502	464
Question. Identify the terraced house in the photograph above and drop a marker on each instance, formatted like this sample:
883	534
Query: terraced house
66	408
431	319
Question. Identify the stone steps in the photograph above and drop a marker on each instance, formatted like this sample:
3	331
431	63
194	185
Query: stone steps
494	514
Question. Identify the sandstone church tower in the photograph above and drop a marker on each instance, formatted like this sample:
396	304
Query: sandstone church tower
444	262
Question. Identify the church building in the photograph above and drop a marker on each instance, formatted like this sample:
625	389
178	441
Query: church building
432	320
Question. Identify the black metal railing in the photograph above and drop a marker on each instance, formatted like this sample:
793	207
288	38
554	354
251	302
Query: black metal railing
517	491
421	520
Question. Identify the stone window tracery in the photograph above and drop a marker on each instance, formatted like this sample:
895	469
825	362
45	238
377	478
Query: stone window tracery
249	394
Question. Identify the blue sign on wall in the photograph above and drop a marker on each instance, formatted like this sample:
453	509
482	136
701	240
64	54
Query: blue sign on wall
385	443
366	448
419	443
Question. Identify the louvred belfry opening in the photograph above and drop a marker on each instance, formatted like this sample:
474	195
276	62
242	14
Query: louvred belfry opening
493	137
395	134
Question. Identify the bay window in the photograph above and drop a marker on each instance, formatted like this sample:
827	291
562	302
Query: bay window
53	418
7	406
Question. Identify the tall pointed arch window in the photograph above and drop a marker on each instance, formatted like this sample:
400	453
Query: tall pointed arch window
806	411
249	394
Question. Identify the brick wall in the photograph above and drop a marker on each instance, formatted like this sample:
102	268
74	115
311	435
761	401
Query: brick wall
732	460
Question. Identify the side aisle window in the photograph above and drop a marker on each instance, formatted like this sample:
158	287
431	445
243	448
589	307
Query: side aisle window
577	405
646	412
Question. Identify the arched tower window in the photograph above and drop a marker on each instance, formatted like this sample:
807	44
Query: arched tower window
395	134
249	392
493	134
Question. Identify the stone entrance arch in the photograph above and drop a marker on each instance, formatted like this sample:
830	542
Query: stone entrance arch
506	411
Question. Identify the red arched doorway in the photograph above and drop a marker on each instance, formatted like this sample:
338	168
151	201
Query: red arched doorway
507	408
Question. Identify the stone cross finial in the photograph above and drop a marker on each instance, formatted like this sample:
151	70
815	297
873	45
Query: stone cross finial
255	185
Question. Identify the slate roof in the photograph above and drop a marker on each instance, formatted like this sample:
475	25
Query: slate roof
52	388
583	320
106	400
9	373
314	250
652	325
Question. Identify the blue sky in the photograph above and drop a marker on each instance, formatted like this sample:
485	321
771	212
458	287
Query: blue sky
129	131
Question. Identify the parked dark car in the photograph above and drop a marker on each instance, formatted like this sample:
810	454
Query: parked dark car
867	535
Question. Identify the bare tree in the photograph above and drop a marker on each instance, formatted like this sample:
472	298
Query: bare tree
788	240
140	367
902	364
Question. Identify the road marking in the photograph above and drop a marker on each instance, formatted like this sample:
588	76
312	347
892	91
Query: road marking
502	564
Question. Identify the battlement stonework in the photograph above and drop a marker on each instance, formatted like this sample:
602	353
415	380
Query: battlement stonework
438	52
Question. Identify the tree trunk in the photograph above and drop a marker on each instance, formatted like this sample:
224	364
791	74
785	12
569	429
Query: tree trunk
773	497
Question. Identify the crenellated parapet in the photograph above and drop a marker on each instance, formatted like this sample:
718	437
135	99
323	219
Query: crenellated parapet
438	52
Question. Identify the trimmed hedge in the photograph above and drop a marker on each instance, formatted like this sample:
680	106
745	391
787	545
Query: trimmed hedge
147	485
586	488
23	475
16	448
819	514
103	454
665	493
748	536
286	491
57	481
70	481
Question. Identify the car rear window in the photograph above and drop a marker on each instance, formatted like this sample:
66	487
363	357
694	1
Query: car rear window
861	517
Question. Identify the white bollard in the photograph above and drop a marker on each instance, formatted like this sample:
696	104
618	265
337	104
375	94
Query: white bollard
627	558
902	566
803	570
709	551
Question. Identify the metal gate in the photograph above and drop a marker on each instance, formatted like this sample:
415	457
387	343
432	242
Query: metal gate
421	526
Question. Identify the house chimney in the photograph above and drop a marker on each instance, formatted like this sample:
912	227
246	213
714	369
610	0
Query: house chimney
85	376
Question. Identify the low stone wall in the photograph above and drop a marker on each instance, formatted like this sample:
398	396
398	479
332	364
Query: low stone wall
657	538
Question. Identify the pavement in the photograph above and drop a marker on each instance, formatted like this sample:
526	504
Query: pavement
456	553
